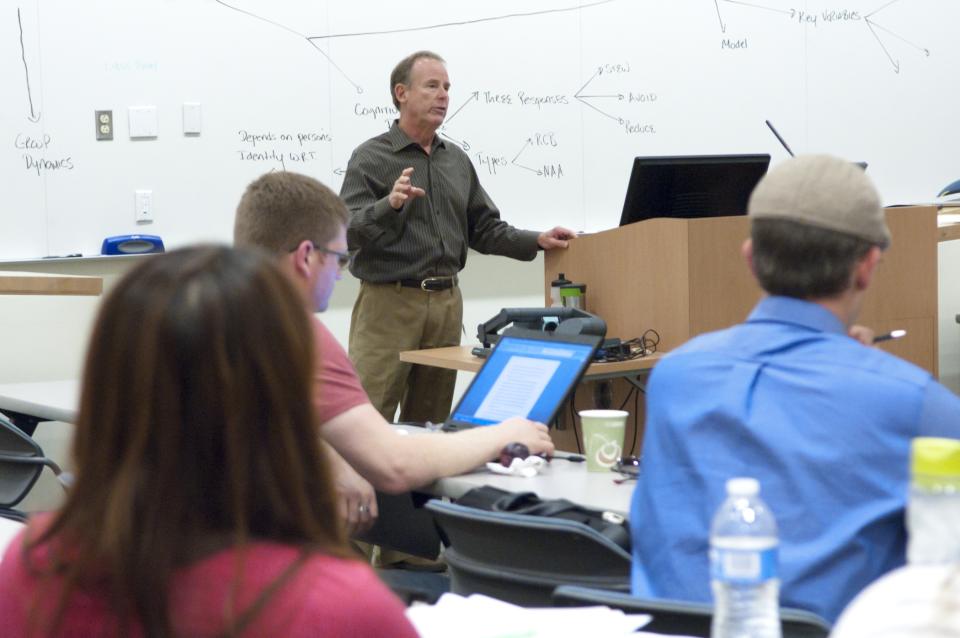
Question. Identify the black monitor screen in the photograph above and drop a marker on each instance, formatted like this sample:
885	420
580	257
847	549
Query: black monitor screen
691	186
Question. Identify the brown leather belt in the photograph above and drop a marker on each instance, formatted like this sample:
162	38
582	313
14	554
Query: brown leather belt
430	284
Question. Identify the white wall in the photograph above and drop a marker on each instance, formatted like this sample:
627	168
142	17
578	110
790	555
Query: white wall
551	99
44	337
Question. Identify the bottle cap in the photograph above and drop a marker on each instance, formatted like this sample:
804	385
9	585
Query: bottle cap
935	457
560	280
743	486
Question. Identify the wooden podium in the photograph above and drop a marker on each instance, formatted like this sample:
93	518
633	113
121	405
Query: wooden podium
685	277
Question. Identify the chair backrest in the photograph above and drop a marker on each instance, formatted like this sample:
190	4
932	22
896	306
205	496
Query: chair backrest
678	617
521	558
21	462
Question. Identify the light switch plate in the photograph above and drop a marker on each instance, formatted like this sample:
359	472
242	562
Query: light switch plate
143	121
144	207
191	118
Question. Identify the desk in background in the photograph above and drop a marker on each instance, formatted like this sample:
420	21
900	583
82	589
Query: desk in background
460	358
948	223
29	403
558	479
33	283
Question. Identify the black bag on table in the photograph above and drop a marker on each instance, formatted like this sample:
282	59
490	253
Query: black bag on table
492	499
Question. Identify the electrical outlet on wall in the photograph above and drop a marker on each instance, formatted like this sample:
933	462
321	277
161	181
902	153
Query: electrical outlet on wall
104	124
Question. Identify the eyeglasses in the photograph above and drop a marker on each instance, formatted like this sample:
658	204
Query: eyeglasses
628	467
343	259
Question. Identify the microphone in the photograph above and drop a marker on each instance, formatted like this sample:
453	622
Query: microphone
779	138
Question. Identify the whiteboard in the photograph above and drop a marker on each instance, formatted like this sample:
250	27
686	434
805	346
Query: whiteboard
551	99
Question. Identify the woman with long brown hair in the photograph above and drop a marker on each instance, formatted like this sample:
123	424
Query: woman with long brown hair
202	504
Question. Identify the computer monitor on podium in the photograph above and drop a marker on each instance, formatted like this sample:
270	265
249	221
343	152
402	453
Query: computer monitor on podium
691	186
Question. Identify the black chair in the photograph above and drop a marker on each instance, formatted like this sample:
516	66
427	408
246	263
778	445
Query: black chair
677	617
21	463
521	559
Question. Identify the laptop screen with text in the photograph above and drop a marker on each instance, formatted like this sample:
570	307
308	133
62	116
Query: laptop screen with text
527	374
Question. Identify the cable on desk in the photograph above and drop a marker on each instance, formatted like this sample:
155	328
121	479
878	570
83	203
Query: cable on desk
573	420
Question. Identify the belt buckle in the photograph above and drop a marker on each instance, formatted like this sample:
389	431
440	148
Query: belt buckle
425	284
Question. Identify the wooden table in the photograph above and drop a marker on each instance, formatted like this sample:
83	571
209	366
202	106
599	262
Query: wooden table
565	435
461	358
34	283
948	223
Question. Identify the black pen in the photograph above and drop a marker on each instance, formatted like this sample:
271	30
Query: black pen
893	334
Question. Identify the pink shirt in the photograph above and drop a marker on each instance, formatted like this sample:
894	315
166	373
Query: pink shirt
326	597
336	387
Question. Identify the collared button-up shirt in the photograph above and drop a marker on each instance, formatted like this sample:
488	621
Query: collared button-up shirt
822	421
430	235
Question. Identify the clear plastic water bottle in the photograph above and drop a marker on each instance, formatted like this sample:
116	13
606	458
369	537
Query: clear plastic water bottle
743	565
933	511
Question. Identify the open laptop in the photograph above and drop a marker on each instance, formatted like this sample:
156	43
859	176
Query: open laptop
529	373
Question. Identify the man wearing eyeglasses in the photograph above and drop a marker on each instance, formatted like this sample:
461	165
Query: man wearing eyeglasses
416	206
303	223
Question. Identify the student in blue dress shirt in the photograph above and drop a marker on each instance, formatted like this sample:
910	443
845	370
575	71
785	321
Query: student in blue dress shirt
823	421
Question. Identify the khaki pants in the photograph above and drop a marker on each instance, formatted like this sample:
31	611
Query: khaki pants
388	319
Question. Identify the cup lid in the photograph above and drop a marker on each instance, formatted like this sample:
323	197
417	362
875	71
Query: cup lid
601	414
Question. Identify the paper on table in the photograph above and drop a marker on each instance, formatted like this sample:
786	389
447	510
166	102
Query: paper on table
528	467
478	616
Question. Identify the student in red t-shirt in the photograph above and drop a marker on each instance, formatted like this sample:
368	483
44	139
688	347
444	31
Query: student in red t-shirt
303	223
203	504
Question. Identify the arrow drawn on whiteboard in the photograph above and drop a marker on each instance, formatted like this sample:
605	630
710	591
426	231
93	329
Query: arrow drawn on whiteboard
580	97
462	144
522	149
444	25
473	96
925	50
876	11
34	115
309	39
895	63
758	6
529	142
874	26
723	27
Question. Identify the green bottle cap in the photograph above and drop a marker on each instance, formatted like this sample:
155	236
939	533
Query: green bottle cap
935	457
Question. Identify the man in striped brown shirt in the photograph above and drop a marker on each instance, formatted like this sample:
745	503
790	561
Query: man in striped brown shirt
416	205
